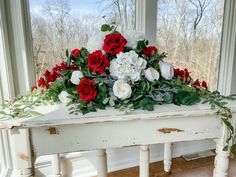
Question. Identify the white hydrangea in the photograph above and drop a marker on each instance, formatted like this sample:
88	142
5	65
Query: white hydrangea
127	66
132	37
95	42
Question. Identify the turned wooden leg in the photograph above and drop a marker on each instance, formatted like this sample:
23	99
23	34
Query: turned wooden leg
102	163
221	161
167	157
144	161
23	158
222	157
56	167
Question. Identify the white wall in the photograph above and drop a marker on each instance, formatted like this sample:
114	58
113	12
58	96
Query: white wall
84	164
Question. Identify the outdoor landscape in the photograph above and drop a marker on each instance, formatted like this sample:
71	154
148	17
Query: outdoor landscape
188	30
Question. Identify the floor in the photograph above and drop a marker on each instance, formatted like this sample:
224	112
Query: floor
181	168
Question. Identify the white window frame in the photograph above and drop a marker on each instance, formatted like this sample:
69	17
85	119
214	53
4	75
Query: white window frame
16	55
227	72
16	58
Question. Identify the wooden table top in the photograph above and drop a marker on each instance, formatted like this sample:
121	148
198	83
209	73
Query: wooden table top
59	115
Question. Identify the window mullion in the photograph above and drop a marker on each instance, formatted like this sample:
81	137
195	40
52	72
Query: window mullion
146	18
21	45
228	53
6	76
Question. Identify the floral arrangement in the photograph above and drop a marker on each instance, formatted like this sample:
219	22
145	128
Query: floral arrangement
121	71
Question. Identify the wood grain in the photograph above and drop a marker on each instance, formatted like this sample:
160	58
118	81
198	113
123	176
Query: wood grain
197	168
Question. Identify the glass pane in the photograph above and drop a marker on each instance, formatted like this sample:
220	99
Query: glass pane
58	25
190	32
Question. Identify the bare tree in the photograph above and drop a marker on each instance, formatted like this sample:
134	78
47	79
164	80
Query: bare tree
200	7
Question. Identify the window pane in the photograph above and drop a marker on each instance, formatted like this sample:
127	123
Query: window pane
58	25
190	32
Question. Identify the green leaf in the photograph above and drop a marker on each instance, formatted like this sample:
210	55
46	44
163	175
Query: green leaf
35	113
141	45
105	101
168	98
105	27
114	98
111	103
226	148
3	113
233	148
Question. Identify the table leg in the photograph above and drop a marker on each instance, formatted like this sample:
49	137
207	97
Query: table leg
144	161
56	167
167	157
222	157
22	154
101	162
221	161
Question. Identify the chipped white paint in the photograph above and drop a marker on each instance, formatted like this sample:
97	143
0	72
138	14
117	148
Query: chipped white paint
101	162
144	161
21	151
56	166
167	157
58	132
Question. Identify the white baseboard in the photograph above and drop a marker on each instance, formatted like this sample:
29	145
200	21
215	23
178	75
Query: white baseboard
84	164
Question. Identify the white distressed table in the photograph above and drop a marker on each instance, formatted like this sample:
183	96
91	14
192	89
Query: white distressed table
58	132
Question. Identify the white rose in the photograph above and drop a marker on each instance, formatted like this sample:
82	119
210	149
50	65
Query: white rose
76	76
133	37
167	70
122	90
96	41
151	74
63	97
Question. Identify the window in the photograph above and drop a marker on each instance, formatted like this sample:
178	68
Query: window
58	25
190	32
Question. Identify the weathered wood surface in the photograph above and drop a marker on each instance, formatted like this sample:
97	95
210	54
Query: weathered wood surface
58	132
58	115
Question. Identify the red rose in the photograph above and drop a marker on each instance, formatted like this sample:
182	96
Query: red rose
75	53
149	51
98	62
197	84
204	84
87	90
114	43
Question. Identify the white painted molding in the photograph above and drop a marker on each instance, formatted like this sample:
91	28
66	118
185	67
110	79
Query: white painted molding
19	36
226	83
6	75
146	19
5	155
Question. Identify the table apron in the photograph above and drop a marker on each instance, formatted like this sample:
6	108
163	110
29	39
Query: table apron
103	135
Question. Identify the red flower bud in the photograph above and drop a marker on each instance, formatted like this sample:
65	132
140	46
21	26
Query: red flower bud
75	53
204	84
33	88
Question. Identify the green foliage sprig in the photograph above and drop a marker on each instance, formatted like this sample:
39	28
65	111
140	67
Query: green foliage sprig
218	102
23	106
